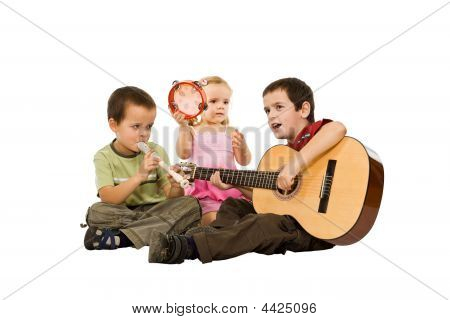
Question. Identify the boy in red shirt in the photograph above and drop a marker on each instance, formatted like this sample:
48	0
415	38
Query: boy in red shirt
289	105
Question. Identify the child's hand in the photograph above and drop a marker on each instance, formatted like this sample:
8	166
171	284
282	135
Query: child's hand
149	163
287	174
215	180
173	183
238	141
180	119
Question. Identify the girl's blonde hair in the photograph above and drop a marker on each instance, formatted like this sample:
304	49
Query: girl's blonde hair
214	80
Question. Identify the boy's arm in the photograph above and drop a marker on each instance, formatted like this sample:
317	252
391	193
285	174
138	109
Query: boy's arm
173	188
326	138
173	192
165	182
118	194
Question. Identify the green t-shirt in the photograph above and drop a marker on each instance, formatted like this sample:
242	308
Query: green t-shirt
113	168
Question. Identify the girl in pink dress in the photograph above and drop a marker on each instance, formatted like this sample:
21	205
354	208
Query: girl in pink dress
212	143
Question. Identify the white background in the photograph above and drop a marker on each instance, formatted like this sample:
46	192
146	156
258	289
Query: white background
53	119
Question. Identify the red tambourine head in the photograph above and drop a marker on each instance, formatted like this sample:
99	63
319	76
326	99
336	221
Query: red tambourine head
187	97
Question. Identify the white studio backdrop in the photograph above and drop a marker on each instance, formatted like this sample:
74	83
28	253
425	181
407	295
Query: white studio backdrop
381	67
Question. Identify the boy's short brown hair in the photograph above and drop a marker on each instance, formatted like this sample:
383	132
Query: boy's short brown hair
121	97
296	90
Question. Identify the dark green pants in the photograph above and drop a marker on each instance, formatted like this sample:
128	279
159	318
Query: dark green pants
240	230
174	215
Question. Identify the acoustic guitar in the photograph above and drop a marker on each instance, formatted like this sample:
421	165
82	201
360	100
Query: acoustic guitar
336	199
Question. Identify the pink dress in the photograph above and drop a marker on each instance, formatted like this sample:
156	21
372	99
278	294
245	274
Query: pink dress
212	150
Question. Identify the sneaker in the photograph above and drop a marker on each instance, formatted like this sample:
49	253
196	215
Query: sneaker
97	239
170	249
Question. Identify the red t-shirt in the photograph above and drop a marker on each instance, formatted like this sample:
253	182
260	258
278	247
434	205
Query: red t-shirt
307	133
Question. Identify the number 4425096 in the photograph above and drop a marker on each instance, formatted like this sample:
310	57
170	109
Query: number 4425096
289	308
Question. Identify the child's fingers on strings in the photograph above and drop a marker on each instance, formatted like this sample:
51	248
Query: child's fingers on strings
215	179
281	185
284	183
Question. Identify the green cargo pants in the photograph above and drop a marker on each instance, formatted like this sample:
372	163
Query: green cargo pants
175	215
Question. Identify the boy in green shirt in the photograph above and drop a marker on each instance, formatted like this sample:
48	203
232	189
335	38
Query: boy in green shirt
137	195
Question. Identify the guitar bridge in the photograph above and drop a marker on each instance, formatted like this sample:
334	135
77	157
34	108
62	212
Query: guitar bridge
325	190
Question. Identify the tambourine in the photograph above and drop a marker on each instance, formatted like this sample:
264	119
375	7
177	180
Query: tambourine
188	97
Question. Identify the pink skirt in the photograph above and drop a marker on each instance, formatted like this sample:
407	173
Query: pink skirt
208	205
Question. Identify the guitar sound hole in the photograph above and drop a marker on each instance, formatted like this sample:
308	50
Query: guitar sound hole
282	194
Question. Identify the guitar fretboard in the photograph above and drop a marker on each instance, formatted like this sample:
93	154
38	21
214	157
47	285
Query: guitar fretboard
243	178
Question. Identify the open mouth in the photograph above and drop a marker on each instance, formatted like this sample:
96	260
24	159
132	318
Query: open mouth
275	125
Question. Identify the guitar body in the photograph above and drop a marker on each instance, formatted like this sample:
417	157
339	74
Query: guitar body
336	199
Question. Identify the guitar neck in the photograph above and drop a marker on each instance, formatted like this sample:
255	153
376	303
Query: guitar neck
242	178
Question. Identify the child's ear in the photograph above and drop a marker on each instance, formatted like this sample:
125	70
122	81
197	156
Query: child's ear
305	110
112	124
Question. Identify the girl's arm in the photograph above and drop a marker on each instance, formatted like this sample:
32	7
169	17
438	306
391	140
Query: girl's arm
184	139
215	180
241	151
184	142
